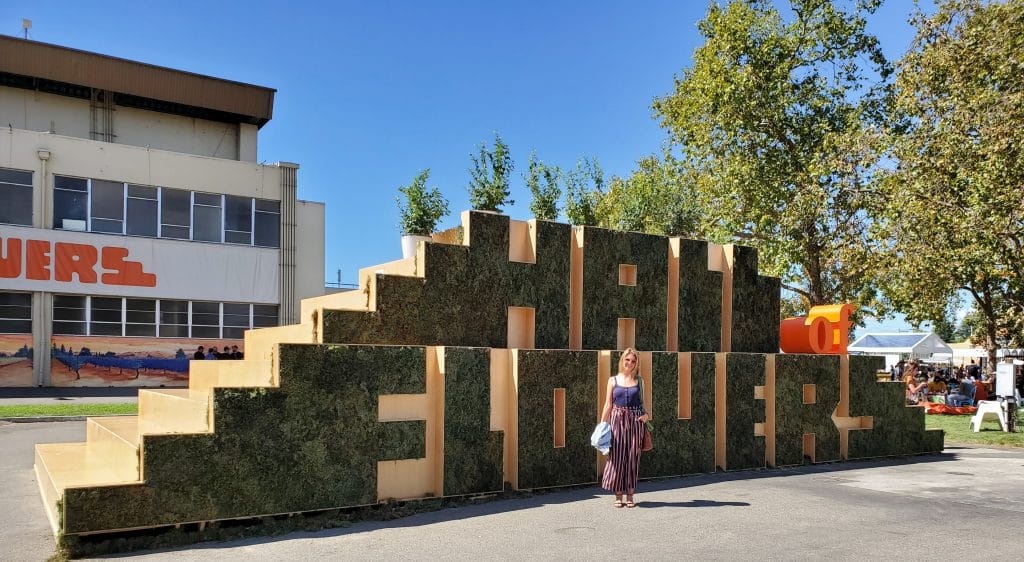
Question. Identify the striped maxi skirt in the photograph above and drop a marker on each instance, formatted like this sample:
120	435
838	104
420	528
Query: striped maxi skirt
623	466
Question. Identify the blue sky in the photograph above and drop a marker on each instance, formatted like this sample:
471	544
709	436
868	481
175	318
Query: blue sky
369	93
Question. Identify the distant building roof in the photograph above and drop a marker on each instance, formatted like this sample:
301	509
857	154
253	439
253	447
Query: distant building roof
71	72
914	344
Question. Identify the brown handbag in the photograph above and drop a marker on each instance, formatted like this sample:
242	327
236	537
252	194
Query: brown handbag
648	440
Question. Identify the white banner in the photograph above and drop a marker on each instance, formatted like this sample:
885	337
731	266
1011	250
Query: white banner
34	259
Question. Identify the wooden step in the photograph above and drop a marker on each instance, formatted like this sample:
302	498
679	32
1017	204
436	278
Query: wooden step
115	439
260	344
207	375
62	465
174	410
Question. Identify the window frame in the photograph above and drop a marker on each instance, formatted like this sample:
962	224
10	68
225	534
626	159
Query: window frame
19	186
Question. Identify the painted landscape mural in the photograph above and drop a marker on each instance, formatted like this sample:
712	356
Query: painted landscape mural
16	360
114	361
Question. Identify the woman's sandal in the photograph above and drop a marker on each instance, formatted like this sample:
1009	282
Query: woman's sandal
630	503
618	502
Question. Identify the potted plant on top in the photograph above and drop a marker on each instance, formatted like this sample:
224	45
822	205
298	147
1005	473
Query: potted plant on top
489	177
420	211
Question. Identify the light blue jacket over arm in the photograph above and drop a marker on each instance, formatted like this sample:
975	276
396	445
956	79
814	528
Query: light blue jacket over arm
601	439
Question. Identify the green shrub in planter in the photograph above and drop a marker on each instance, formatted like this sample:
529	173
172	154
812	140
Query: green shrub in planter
422	208
489	177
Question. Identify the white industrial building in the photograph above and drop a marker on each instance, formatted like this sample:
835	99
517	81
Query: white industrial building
135	222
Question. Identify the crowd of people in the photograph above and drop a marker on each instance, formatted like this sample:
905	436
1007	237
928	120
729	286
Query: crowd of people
961	386
230	352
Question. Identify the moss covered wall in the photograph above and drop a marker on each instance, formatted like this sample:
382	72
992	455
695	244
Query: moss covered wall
681	446
605	301
743	371
755	305
700	299
464	297
473	454
541	465
312	444
897	429
793	418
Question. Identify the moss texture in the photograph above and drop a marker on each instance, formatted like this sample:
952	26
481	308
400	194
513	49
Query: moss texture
541	465
755	305
464	297
793	418
700	299
743	371
605	301
897	429
312	444
681	446
473	454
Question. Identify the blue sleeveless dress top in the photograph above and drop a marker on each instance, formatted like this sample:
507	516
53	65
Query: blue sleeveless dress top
626	396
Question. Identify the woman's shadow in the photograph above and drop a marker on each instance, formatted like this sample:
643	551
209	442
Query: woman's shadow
692	503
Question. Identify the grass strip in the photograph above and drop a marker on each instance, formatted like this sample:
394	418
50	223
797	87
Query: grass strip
958	430
37	410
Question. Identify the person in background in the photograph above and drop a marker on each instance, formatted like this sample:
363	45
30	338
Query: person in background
235	354
212	354
910	382
199	354
964	394
937	387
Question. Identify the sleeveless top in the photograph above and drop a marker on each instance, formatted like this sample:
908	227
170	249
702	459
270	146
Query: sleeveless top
626	396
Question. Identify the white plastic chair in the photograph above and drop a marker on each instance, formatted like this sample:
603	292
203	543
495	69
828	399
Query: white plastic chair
989	408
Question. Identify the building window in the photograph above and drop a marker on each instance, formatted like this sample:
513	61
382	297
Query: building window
70	203
175	213
236	320
207	218
69	315
141	211
106	204
264	315
205	319
173	319
140	317
267	219
15	197
105	316
238	217
115	316
15	313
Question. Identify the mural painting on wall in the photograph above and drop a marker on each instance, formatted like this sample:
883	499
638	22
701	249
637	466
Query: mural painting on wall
114	361
16	360
475	366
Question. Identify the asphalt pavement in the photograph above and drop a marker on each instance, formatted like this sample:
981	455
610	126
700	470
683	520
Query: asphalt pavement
68	395
966	503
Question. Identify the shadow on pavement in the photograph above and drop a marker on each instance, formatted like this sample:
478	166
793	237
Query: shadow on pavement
692	503
468	508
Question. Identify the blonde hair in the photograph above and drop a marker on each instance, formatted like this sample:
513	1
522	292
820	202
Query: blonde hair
622	360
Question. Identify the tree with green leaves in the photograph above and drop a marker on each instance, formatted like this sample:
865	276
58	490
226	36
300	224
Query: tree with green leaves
775	122
422	208
584	189
543	182
656	198
954	205
489	187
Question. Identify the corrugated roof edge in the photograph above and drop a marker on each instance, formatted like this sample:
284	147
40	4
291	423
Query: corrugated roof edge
256	101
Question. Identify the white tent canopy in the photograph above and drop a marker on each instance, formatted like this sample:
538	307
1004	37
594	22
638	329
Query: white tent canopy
893	346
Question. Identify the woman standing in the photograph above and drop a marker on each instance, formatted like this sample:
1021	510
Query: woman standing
623	409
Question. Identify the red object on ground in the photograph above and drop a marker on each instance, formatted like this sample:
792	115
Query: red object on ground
931	408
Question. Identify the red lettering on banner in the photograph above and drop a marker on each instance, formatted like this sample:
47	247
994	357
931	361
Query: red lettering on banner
37	260
10	261
127	272
75	259
68	260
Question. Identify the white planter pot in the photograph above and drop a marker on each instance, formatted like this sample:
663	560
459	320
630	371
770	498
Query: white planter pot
409	242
